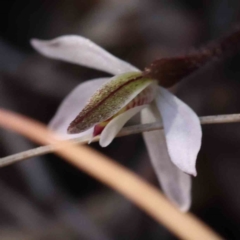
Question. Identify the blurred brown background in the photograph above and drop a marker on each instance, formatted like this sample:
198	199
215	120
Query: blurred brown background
44	197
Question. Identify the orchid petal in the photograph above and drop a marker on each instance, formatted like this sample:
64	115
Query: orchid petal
72	105
109	100
182	130
82	51
116	124
175	183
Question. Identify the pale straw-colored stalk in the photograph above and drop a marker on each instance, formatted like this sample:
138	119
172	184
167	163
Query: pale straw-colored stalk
144	195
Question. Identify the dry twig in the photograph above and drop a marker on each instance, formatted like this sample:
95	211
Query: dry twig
231	118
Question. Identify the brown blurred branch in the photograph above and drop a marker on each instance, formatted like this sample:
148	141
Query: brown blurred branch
169	71
145	196
230	118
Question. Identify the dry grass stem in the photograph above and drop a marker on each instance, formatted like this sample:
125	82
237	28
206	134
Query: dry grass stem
147	197
230	118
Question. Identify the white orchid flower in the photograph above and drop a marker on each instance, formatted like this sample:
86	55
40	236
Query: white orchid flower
103	106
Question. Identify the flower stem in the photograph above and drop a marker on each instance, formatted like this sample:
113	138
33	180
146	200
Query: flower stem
171	70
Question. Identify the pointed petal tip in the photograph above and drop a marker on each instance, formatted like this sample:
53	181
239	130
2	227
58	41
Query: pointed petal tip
35	43
39	45
103	144
184	208
192	172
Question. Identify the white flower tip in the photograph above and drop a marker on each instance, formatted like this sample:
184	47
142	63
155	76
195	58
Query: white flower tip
42	46
184	208
191	172
35	43
104	142
194	174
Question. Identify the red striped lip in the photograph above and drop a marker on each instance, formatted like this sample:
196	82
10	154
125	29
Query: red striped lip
143	98
107	101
